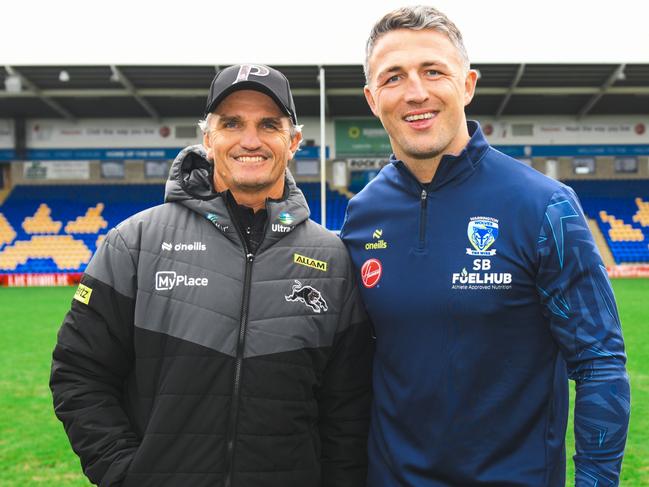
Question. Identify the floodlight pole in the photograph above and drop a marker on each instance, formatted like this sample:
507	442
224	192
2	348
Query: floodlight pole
323	152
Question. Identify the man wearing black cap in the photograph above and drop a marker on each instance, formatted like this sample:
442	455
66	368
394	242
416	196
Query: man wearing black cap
218	339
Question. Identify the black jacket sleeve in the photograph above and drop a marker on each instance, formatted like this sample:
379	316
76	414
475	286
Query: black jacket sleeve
92	358
345	397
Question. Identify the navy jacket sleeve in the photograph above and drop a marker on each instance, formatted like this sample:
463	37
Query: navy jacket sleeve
345	396
92	357
577	296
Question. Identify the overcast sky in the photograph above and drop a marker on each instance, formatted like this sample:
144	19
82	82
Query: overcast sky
219	32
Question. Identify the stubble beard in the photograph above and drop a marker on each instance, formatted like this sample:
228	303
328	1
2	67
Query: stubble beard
422	153
252	186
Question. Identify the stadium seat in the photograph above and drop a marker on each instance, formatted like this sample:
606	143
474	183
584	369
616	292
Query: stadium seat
41	222
91	222
336	204
621	209
66	252
31	211
642	216
7	233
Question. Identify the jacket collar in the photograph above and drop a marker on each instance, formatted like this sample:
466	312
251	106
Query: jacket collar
452	168
190	183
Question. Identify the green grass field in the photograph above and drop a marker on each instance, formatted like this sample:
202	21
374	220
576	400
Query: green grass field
34	450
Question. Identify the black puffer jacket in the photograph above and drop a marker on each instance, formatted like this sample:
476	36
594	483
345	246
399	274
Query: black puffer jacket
187	361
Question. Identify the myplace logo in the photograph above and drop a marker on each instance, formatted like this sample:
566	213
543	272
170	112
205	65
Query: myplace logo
167	280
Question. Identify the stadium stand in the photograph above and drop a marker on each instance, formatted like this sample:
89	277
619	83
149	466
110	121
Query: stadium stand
91	222
7	233
41	222
642	216
57	228
336	204
51	253
48	229
621	209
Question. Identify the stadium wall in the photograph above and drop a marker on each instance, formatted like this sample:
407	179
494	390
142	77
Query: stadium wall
604	168
133	174
535	140
533	136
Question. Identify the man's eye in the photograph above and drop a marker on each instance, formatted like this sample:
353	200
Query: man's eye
231	124
269	125
392	79
432	72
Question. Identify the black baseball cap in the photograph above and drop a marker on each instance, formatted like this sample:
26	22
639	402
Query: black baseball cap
256	77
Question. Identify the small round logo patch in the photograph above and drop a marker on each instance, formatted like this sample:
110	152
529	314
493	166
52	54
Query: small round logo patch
371	272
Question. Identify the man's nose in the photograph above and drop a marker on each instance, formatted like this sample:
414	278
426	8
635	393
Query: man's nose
250	138
415	90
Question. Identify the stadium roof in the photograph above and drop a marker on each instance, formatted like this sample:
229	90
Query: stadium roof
110	91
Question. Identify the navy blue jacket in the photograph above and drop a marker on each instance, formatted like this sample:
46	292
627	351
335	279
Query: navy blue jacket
487	293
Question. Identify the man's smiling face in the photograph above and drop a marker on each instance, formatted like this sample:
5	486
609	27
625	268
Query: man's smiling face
418	88
249	141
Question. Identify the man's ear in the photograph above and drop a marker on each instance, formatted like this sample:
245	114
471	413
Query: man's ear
469	85
370	99
208	146
295	143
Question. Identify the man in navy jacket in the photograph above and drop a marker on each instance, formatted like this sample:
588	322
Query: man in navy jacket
485	288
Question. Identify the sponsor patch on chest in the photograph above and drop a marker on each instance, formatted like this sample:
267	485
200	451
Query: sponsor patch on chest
371	272
482	232
483	273
309	262
378	243
307	295
168	280
481	278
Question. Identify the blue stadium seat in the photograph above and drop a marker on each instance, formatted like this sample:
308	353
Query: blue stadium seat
618	199
69	202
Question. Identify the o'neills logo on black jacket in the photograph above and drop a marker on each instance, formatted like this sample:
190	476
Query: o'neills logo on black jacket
179	247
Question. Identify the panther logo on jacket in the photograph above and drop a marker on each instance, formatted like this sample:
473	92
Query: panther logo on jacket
308	295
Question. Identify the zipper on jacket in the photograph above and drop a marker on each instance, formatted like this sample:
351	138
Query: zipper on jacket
423	204
238	364
422	219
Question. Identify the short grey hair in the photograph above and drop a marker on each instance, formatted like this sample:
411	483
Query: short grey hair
419	17
204	125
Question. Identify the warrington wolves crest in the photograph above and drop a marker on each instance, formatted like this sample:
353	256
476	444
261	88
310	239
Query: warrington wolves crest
482	232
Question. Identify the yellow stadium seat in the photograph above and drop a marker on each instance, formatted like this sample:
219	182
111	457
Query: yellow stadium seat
41	222
642	215
64	250
621	231
91	222
7	233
